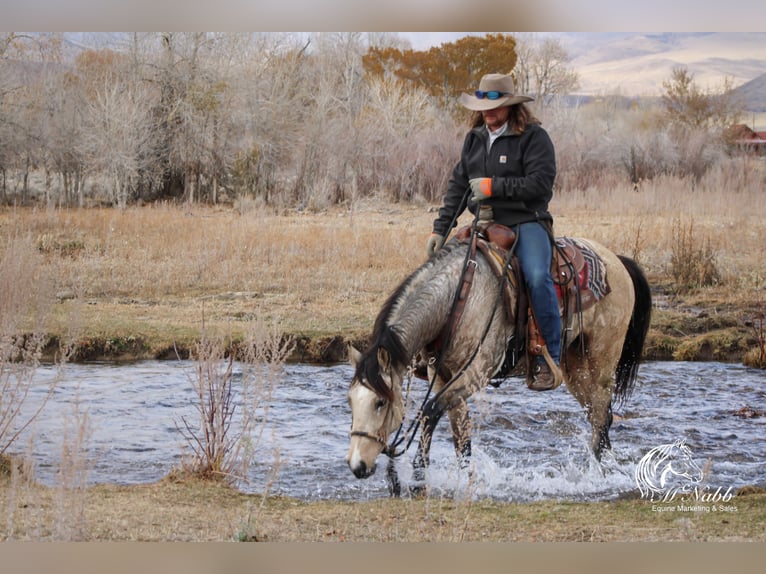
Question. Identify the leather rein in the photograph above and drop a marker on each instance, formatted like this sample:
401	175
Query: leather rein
428	406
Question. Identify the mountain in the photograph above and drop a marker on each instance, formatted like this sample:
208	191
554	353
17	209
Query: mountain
753	94
635	64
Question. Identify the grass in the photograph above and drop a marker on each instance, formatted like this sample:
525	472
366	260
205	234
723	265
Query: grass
140	279
194	510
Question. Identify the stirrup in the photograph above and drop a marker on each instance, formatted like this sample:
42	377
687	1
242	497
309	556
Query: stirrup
556	373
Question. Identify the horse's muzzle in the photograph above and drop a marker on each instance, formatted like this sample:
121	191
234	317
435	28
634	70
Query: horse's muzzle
361	470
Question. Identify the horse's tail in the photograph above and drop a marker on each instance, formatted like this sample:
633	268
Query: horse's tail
633	347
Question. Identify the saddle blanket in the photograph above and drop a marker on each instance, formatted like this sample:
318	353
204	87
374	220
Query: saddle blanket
575	256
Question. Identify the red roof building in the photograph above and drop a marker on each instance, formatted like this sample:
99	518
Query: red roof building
747	140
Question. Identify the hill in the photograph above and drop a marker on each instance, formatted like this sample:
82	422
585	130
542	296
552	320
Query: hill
753	94
635	64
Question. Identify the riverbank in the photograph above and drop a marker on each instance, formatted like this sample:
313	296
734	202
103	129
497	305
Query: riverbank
193	510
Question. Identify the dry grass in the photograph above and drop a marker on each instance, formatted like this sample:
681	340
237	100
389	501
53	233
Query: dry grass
148	272
141	278
207	511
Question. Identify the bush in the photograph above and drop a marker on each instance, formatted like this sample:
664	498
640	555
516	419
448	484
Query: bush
692	260
222	444
25	301
756	357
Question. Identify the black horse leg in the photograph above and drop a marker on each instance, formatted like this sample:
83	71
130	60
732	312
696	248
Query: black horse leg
464	454
394	486
603	442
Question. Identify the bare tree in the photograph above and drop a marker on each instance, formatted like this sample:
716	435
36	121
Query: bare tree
542	68
27	62
687	104
398	126
117	132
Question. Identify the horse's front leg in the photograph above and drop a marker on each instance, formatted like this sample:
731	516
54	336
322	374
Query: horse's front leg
394	486
423	455
460	424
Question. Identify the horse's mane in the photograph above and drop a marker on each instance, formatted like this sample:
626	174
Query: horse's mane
385	336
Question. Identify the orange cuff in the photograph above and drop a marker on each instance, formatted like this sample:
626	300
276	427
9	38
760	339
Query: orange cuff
485	185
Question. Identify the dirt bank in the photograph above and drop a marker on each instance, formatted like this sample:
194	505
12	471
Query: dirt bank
680	330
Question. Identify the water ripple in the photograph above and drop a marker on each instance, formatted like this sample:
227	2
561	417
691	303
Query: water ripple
526	445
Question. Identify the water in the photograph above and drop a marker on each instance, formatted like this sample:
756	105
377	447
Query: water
527	445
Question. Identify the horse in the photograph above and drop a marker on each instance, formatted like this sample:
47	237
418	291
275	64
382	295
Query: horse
664	466
600	354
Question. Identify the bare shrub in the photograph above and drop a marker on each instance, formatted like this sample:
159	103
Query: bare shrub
693	261
69	501
25	300
232	406
756	357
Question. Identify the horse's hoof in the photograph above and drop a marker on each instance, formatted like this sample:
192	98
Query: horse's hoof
418	490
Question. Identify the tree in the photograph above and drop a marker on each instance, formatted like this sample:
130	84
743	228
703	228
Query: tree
687	105
542	69
29	64
448	69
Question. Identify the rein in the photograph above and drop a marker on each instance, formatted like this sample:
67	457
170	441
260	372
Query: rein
427	406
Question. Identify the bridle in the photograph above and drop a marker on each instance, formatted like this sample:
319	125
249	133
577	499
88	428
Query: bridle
387	449
390	449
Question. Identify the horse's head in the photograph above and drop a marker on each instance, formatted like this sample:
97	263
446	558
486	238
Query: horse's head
376	403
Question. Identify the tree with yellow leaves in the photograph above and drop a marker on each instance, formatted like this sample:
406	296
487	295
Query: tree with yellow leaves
448	69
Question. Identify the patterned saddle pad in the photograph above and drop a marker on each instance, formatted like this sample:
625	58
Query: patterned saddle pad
579	271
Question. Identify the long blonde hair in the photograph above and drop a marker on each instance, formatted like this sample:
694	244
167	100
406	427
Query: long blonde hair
519	117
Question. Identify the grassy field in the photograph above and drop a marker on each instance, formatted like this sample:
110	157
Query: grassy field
142	282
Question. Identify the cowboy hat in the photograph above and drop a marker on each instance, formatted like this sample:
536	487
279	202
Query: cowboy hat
495	91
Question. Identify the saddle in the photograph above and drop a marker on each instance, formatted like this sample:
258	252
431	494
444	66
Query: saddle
579	277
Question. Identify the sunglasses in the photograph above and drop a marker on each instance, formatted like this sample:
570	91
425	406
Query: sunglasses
493	95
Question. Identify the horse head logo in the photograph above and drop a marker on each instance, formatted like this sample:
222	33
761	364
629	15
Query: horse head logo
665	467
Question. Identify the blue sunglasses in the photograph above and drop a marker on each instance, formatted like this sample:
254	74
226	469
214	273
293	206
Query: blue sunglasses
493	95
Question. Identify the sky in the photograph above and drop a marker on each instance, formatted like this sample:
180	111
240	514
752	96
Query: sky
353	15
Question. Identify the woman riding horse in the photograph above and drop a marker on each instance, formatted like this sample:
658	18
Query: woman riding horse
508	163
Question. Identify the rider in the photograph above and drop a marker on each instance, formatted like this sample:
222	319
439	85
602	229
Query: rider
508	162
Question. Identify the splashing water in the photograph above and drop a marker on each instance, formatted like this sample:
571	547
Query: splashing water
526	445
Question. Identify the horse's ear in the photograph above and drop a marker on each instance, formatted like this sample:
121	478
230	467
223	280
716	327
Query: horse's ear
354	356
384	359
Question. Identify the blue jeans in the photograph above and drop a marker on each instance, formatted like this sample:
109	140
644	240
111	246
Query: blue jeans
534	252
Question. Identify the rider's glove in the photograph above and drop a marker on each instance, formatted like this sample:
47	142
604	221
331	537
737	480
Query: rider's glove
435	243
481	188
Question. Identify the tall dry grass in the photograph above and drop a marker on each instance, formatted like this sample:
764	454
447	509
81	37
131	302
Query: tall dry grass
725	212
25	302
141	270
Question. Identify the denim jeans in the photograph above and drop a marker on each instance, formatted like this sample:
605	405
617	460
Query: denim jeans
534	252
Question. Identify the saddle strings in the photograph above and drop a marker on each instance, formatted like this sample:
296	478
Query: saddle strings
565	298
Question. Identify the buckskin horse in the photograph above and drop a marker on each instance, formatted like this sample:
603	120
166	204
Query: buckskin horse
465	343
